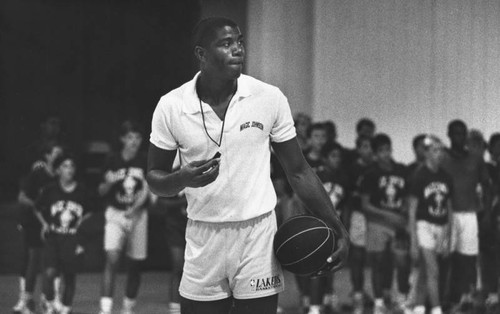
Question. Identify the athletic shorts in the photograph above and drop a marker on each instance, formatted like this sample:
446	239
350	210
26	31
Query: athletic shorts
358	229
464	233
60	253
431	236
129	234
381	238
231	259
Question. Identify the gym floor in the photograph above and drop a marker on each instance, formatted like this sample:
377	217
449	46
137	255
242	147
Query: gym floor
153	294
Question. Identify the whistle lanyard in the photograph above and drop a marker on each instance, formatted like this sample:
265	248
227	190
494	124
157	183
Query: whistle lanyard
219	143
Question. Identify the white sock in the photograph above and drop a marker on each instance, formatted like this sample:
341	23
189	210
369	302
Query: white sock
379	302
419	309
174	308
436	310
65	309
22	284
106	304
128	303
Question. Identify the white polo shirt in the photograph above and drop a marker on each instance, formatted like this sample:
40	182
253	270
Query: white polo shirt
257	114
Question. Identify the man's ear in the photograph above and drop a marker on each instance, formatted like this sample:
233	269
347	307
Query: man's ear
199	53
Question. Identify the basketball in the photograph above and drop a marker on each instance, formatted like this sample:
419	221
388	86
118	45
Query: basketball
303	243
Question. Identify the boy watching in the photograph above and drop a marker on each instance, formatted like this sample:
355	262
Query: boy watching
61	208
126	192
384	189
430	215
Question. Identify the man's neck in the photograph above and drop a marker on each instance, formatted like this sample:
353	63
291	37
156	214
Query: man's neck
213	90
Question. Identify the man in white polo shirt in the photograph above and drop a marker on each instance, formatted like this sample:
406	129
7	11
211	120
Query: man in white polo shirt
223	124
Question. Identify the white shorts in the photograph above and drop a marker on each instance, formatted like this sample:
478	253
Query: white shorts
358	229
464	233
432	236
231	259
132	232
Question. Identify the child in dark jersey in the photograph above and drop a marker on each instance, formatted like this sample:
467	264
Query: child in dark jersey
357	223
338	186
126	194
383	191
61	208
41	174
430	215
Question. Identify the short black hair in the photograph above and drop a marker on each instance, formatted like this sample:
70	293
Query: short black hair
380	140
130	125
494	138
457	123
329	147
62	158
417	139
205	29
364	122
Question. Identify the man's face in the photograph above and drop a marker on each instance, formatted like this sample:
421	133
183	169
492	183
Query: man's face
365	150
384	153
132	141
225	54
366	130
458	136
333	159
318	139
434	153
66	170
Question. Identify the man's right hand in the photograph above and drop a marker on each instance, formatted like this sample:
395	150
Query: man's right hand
200	173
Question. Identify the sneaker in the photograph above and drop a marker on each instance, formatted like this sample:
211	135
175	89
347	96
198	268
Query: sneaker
314	309
19	307
332	302
30	307
358	303
379	307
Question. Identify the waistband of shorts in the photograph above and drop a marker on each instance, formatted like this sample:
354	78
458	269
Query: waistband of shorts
228	224
465	213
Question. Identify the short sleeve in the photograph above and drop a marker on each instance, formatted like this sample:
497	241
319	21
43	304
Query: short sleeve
161	135
283	127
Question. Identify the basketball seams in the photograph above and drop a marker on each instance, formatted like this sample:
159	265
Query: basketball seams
292	231
314	251
298	234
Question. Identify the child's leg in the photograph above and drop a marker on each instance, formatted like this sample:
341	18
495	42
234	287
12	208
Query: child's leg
432	276
69	288
357	260
48	283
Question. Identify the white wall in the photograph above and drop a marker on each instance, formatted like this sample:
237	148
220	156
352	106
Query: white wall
410	65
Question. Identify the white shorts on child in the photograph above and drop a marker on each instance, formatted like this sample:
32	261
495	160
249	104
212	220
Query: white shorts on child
465	233
129	233
432	236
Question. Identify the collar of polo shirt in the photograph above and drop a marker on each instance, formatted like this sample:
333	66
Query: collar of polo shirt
192	102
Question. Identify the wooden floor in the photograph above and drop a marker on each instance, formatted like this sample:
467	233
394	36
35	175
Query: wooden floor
153	293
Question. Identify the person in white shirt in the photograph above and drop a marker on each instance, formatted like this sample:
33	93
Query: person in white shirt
223	124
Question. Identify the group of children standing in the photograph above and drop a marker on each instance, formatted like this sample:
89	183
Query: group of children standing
427	222
55	203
